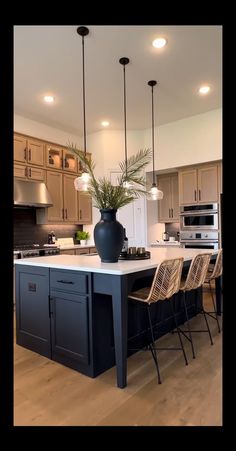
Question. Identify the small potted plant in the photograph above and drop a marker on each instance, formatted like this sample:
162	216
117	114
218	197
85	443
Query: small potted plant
82	236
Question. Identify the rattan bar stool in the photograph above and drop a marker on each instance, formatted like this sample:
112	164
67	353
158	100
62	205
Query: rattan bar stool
195	279
165	284
210	277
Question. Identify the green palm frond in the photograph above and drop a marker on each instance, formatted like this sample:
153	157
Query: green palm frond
106	195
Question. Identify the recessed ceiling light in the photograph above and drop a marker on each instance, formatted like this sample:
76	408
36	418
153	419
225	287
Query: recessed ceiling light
159	43
204	90
48	99
105	123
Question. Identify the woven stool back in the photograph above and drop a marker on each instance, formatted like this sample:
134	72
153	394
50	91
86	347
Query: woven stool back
218	267
166	280
197	272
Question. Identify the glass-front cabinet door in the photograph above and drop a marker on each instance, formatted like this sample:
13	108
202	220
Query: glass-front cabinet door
69	161
54	156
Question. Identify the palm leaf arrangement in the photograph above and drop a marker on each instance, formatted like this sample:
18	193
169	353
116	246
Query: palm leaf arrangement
106	195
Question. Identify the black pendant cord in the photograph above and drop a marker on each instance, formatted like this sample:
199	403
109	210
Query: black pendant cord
125	124
153	83
84	97
83	31
153	159
125	61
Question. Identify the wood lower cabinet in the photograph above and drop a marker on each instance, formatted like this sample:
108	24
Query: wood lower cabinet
84	208
83	251
54	183
199	185
70	199
168	207
67	252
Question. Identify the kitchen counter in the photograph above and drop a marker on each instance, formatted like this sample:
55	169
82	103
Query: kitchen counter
166	244
62	300
92	263
75	246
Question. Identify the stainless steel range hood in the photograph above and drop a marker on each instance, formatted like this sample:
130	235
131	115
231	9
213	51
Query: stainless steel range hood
31	194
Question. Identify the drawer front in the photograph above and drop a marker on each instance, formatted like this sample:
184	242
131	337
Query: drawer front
92	249
67	252
71	281
81	251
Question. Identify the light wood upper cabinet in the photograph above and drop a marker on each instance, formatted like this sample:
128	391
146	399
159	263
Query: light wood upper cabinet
54	156
20	148
199	185
188	186
54	183
27	150
207	184
35	152
70	163
28	172
168	207
220	176
70	199
84	208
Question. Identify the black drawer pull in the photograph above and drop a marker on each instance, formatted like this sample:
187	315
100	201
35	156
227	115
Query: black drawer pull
65	281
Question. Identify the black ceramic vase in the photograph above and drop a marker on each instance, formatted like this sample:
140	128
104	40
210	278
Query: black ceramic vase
108	236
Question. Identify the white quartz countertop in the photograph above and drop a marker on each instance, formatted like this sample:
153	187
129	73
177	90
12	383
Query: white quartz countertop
165	243
92	263
75	246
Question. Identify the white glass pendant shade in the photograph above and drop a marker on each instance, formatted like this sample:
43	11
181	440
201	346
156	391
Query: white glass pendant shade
127	185
85	177
155	193
80	184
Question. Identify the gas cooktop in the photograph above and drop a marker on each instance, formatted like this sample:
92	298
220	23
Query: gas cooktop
34	250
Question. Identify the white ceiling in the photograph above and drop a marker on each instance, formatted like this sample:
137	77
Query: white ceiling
48	59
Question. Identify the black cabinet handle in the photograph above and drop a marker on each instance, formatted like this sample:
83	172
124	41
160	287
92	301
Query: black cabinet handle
195	194
80	214
62	213
66	281
30	172
26	172
199	191
29	154
172	215
25	153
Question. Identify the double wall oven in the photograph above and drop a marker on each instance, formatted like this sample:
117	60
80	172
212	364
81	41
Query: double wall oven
199	226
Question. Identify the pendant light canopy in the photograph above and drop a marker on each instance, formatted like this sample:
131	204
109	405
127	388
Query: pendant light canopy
81	182
124	61
154	193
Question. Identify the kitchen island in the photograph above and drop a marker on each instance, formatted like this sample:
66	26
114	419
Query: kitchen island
74	309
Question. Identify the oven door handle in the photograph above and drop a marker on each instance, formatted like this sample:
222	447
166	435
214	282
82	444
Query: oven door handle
200	213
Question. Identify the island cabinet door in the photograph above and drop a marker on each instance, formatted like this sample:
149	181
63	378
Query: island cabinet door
69	328
32	309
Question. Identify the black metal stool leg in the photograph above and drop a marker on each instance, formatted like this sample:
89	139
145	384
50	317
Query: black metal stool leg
177	327
214	306
208	328
152	346
189	330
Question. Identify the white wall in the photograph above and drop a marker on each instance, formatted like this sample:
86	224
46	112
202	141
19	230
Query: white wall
39	130
193	140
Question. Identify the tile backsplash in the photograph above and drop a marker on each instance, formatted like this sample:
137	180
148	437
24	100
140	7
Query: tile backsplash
26	231
173	229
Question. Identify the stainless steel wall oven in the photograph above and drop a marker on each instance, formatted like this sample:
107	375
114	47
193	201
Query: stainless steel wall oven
194	217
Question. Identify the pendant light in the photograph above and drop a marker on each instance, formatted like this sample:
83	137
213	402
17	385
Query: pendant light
81	182
124	61
154	193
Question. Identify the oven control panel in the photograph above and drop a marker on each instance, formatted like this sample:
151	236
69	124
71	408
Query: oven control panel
198	236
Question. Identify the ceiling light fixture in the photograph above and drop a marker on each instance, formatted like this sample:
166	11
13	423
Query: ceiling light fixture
159	43
81	182
204	90
105	123
124	61
154	193
48	99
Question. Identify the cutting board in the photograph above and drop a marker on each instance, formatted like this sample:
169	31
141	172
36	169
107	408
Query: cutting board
65	242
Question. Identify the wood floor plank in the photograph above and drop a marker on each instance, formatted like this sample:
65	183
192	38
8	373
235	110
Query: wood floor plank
47	393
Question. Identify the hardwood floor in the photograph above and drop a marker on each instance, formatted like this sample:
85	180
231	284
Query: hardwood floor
47	393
